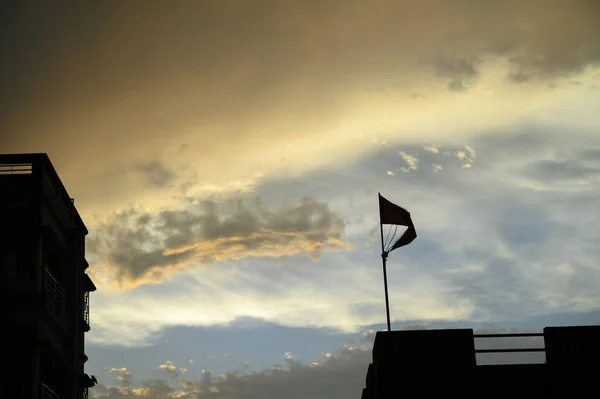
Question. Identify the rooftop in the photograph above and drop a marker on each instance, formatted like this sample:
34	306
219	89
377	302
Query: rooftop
30	165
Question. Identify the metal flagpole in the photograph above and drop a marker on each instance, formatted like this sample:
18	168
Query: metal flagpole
384	259
398	216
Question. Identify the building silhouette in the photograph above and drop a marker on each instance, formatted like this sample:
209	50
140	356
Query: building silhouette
45	287
442	363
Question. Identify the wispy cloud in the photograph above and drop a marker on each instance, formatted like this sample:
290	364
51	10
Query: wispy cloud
466	156
411	160
155	173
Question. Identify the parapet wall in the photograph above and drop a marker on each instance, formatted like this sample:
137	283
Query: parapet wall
442	363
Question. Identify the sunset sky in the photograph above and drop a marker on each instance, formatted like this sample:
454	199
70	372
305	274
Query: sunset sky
226	158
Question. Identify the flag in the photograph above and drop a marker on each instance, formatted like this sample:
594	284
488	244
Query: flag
390	213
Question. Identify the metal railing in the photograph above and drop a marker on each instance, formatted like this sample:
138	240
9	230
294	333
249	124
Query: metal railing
16	169
53	288
47	393
511	350
86	307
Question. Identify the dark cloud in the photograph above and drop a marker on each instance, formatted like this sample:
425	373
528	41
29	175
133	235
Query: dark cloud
215	64
551	61
455	68
458	71
519	76
456	85
146	247
156	173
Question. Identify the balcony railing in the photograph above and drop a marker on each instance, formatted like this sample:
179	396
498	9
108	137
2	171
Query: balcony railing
86	307
47	393
53	289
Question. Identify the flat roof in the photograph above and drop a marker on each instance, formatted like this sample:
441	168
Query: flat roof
16	161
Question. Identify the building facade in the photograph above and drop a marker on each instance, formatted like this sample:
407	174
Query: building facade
45	287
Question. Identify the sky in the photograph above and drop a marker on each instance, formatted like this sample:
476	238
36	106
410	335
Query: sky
226	158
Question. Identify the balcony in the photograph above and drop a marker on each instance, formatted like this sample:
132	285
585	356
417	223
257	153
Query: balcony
53	289
46	393
88	286
86	310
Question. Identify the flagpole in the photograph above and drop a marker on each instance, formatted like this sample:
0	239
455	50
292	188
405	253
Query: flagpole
384	260
393	214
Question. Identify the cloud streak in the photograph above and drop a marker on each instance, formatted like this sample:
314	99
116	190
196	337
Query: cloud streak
140	247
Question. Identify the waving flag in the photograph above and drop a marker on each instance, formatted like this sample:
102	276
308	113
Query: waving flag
393	214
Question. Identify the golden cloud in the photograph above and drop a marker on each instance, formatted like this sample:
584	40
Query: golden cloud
136	248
